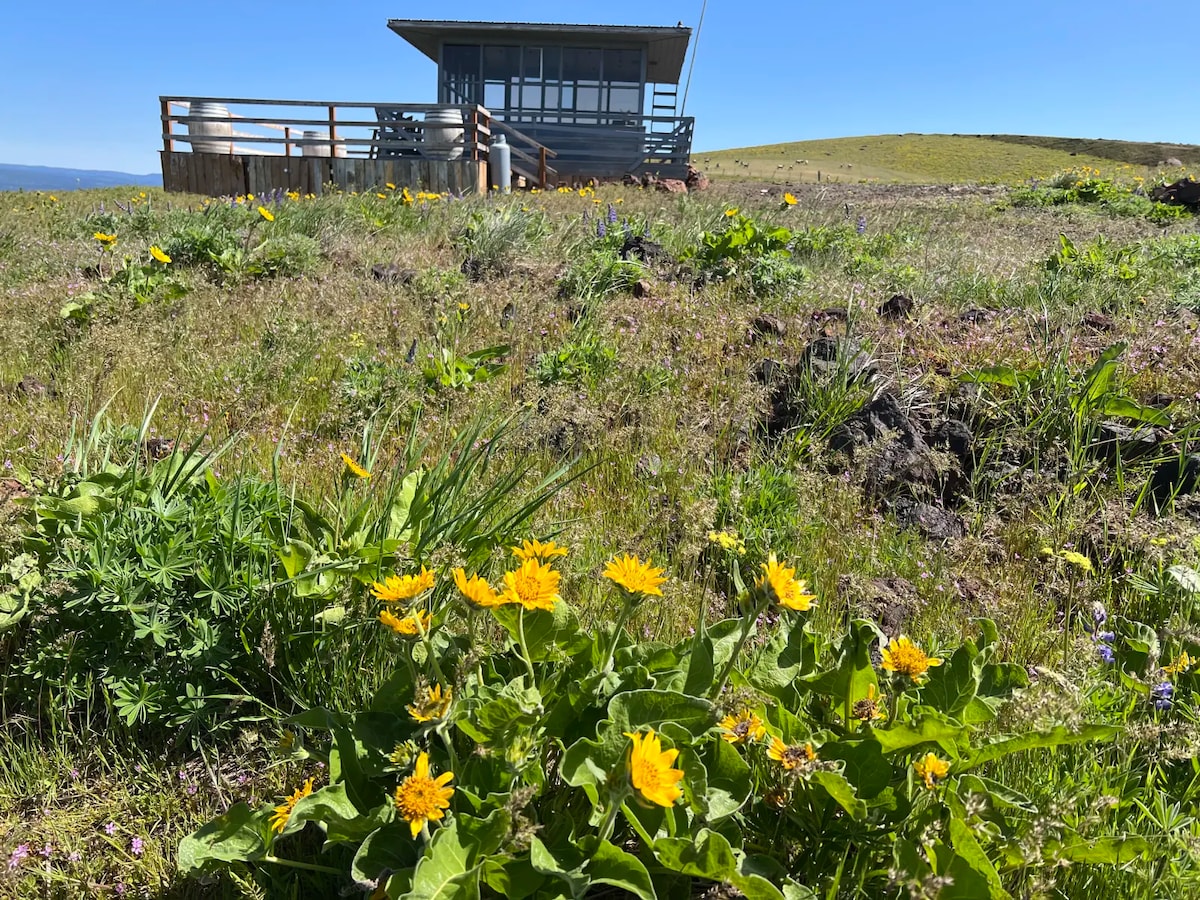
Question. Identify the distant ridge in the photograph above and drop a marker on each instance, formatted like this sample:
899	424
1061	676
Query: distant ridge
48	178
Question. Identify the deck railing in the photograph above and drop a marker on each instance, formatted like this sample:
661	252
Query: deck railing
326	128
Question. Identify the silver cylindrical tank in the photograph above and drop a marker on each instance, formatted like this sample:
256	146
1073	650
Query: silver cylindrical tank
500	164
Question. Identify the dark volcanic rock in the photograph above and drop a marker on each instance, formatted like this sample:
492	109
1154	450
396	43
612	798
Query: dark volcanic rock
891	602
975	316
1115	441
1098	321
641	289
767	326
640	247
882	417
897	306
392	274
1176	477
934	522
834	356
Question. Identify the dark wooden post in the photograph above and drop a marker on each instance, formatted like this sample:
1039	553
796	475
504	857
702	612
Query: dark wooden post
332	138
168	144
542	168
287	141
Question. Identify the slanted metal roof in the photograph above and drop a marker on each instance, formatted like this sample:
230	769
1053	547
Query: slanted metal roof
666	47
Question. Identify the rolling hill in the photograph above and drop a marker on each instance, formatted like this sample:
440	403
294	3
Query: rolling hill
934	158
48	178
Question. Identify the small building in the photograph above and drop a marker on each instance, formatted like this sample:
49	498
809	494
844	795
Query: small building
603	98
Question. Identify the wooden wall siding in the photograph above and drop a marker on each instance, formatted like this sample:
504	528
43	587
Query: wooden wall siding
220	175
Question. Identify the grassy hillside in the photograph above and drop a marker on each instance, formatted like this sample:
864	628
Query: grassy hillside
920	402
931	158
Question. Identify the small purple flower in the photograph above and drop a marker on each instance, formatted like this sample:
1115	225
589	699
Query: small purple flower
861	225
612	214
1106	653
1106	637
119	887
601	228
1161	694
21	851
74	856
110	829
1099	614
74	774
47	851
136	847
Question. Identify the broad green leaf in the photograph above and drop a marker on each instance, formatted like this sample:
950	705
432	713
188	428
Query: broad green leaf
728	779
449	870
1059	736
707	855
927	729
569	871
1105	851
610	865
1131	409
790	653
331	808
1001	375
1000	795
863	765
841	792
968	853
389	848
852	674
635	710
495	719
1186	577
547	633
234	836
399	527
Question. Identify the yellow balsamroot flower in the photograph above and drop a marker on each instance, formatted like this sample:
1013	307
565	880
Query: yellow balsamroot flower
1182	663
650	769
537	550
743	728
283	811
397	588
930	769
477	591
413	625
354	468
420	798
390	186
432	706
904	657
869	708
266	213
789	199
106	240
534	585
791	756
731	212
635	576
780	584
157	253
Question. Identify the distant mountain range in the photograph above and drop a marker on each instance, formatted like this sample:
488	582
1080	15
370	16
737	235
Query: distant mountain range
47	178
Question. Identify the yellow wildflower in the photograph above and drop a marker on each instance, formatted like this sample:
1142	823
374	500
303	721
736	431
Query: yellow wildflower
789	199
106	240
650	769
930	769
157	253
537	550
533	585
870	707
1182	663
433	706
283	811
635	576
780	584
743	728
420	798
791	756
354	468
1078	560
904	657
266	213
396	588
731	212
477	591
413	625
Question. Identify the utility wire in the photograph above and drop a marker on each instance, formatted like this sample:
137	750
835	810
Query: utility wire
695	46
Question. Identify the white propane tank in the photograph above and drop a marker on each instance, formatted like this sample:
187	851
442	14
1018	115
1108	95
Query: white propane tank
214	135
500	164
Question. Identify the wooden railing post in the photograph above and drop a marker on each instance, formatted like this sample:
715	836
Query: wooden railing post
542	168
332	139
287	141
168	144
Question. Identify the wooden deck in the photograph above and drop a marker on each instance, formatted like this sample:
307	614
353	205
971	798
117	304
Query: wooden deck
252	146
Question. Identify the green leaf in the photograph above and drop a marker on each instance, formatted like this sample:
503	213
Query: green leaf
1005	376
1000	795
449	870
389	848
969	854
234	836
547	633
852	673
790	654
515	706
610	865
1059	736
633	710
1131	409
399	527
728	779
330	807
568	870
863	765
928	729
1103	851
842	793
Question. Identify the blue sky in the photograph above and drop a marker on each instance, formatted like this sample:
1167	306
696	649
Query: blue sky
81	80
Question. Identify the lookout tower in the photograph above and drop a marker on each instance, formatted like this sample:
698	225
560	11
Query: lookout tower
604	98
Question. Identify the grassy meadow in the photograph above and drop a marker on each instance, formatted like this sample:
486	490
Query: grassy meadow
937	158
833	418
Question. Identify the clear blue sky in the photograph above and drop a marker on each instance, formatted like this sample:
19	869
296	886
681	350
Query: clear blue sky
81	79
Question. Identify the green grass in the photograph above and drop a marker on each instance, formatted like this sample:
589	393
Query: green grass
653	400
934	158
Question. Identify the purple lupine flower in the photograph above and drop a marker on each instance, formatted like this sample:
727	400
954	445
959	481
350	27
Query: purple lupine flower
1106	636
601	228
861	225
1099	614
1161	694
612	214
136	847
1106	653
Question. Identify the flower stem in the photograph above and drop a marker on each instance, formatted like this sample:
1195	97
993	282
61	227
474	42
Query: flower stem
637	825
747	624
524	647
295	864
612	645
